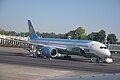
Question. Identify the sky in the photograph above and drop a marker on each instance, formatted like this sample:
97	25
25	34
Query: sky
61	16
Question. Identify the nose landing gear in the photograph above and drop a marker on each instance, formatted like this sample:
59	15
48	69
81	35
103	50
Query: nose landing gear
108	60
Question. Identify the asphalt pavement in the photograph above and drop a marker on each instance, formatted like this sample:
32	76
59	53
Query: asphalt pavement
76	63
15	62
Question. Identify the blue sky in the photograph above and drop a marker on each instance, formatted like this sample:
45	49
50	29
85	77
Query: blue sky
60	16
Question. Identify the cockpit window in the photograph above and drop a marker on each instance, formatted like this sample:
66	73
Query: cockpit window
103	47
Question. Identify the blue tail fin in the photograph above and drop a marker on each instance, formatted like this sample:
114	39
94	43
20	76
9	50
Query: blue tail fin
32	31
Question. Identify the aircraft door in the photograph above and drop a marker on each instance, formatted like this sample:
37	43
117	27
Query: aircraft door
78	50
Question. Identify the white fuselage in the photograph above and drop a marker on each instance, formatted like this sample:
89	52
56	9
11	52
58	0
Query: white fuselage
94	47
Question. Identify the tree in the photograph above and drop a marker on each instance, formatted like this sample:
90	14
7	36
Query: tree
2	31
72	34
6	33
27	34
111	38
93	36
102	36
97	36
80	33
12	33
62	36
22	34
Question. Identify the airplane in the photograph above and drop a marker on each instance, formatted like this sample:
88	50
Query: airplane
51	47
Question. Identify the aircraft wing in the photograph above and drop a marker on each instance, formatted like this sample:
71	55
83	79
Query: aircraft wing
38	45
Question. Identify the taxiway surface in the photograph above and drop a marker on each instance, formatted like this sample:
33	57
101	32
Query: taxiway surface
74	67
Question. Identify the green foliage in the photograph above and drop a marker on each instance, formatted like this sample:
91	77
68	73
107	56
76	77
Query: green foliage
102	36
93	36
72	34
12	33
97	36
111	38
2	31
78	33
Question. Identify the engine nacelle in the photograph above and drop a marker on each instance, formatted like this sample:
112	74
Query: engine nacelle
49	51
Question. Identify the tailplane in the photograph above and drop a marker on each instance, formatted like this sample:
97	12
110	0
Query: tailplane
31	31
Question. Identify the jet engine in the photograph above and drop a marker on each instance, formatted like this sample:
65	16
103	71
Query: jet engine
49	51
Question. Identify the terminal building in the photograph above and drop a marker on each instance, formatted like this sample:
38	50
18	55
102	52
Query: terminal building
114	48
13	41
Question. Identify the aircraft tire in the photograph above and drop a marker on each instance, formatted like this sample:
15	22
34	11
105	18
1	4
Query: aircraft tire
97	60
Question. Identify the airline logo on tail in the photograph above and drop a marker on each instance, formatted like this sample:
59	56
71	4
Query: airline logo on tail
30	27
31	30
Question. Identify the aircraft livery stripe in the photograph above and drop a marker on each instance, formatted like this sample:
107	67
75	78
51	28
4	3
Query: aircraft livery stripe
64	40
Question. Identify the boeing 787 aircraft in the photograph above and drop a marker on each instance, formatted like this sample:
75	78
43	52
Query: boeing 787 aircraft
51	47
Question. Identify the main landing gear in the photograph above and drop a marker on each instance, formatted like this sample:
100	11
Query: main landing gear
67	57
97	60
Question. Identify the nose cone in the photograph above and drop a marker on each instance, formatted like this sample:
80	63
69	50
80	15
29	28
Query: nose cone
107	53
